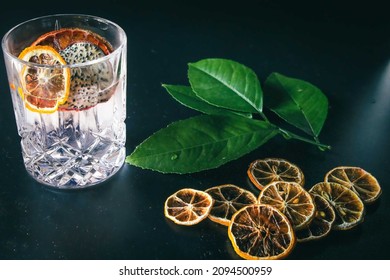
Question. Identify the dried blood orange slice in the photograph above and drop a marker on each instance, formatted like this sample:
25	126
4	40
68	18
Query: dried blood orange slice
64	37
292	200
261	232
358	180
262	172
43	89
228	199
188	206
322	223
349	208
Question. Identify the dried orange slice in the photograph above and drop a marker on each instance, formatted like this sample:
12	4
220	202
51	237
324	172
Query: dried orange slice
188	206
228	199
358	180
322	223
292	200
265	171
64	37
349	208
261	232
44	88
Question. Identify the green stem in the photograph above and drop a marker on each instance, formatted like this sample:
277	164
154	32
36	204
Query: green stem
291	135
264	117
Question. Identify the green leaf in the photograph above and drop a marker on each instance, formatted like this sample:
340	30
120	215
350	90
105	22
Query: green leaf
200	143
227	84
186	96
297	102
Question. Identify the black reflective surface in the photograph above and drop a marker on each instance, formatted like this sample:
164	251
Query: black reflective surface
343	49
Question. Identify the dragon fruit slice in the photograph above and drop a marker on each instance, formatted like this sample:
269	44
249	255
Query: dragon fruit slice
90	84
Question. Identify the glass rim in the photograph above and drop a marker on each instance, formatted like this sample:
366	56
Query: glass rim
115	52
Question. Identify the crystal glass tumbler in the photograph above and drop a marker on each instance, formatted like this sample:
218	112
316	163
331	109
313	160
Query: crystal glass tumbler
67	77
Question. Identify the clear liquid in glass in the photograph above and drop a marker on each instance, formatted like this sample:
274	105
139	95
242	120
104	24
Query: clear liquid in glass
74	148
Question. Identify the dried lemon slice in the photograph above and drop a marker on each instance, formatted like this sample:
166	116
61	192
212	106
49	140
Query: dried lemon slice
44	86
188	206
261	232
265	171
322	223
292	200
349	208
357	179
228	199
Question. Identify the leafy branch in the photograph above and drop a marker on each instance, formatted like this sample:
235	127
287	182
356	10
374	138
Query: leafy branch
230	97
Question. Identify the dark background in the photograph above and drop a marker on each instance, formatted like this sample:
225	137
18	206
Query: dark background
343	48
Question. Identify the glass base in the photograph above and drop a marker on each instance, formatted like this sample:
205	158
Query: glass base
78	172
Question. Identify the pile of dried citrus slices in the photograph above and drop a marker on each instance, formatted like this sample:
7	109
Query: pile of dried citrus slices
268	226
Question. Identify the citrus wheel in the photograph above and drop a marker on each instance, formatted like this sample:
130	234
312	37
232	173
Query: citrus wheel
188	206
322	222
261	232
292	200
265	171
349	208
43	88
64	37
357	179
228	199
